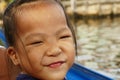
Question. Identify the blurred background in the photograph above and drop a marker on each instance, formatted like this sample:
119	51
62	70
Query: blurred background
97	27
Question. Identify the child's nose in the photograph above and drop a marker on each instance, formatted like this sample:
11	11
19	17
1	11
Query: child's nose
53	50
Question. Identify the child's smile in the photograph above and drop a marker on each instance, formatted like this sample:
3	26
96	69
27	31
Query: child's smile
56	64
47	49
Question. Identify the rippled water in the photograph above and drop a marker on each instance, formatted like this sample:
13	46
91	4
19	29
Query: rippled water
99	44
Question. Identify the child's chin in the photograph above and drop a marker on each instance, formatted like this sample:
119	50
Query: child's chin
57	76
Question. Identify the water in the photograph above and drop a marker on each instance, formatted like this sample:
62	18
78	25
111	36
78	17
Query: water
99	44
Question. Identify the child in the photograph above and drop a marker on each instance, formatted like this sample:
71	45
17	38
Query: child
41	40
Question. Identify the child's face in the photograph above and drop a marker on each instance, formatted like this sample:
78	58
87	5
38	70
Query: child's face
48	50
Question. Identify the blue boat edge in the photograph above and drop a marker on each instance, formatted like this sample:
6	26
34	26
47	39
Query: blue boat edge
79	72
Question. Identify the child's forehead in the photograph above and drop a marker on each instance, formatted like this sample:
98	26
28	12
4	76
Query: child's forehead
37	4
42	5
39	15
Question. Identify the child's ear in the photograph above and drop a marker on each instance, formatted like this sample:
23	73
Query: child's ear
12	53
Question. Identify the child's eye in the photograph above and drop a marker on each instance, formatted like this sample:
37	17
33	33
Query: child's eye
36	42
65	36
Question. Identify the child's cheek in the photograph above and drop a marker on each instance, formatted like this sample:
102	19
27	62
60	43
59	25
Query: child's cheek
69	48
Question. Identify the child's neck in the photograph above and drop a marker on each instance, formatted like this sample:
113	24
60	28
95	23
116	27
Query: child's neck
27	75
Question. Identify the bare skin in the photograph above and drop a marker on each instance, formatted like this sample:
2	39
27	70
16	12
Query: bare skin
48	50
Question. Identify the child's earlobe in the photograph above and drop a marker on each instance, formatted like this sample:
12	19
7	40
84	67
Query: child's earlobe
11	52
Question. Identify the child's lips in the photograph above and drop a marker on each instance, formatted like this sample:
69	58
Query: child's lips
56	64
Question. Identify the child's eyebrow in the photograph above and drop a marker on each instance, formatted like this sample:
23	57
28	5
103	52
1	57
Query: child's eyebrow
43	35
34	34
62	30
